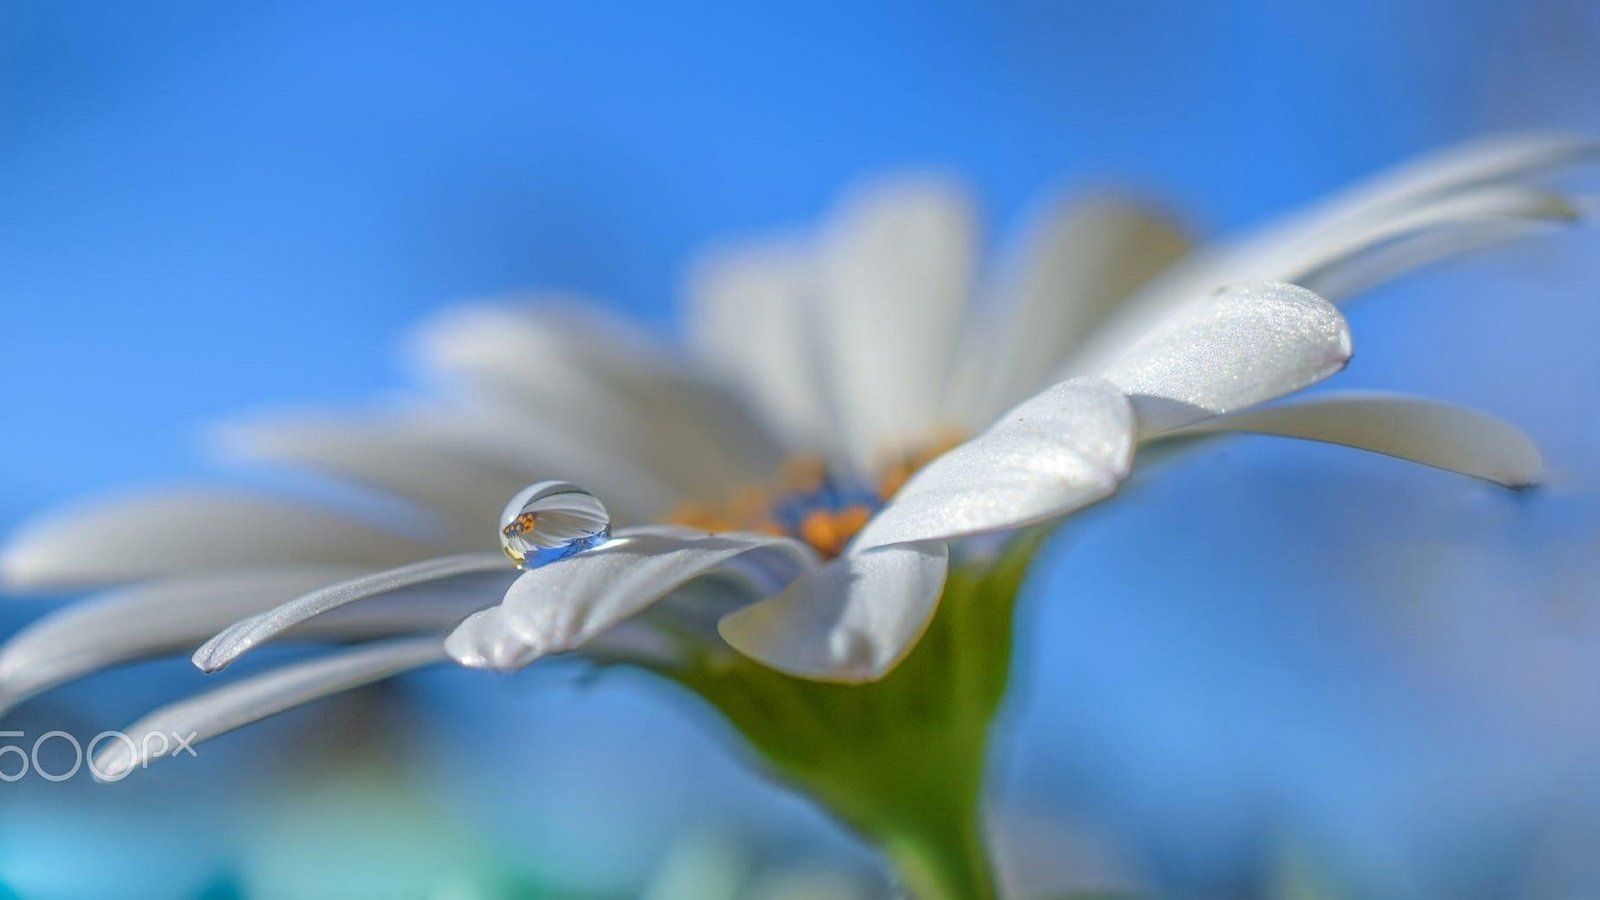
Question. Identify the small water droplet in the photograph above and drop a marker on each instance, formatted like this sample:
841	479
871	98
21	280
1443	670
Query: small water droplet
550	520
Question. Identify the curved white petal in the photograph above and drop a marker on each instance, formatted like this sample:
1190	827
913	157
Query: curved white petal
139	622
596	380
235	640
1497	159
1379	264
895	273
851	621
250	700
1453	224
562	606
1242	345
1062	450
173	615
189	531
486	640
1424	431
752	319
1353	223
1079	262
430	606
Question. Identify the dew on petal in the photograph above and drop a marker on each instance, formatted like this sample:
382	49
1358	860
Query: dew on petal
551	520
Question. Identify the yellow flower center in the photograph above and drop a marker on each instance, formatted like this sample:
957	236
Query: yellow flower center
809	501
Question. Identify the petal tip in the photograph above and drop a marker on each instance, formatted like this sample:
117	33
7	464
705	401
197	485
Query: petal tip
115	762
848	658
850	622
20	569
484	641
1526	476
222	650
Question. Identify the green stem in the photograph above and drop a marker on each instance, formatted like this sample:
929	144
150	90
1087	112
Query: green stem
944	861
900	760
920	803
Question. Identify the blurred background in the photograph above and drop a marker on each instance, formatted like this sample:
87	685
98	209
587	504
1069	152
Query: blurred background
1281	670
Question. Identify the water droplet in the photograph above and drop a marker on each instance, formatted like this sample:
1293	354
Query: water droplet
550	520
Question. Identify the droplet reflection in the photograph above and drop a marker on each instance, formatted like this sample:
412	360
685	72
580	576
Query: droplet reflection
550	520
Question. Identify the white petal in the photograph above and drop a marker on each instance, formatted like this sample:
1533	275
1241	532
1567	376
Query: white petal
464	465
388	456
560	607
1237	347
139	622
1497	159
896	271
752	320
486	641
172	616
183	532
1334	230
250	700
512	442
1453	224
1081	260
1378	264
599	382
684	619
430	606
235	640
852	620
1060	451
1434	434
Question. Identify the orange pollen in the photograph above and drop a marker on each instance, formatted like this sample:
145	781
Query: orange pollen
809	502
522	524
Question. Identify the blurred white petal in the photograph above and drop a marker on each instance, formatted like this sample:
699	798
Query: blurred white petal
235	640
1497	159
1447	227
138	622
1393	259
465	465
191	531
172	616
1079	262
250	700
511	441
1424	431
1355	222
896	271
1062	450
753	321
562	606
595	379
852	620
1235	348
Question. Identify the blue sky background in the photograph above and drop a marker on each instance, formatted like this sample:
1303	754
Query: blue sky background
1278	652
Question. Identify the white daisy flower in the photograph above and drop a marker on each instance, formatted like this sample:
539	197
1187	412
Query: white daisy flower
859	406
